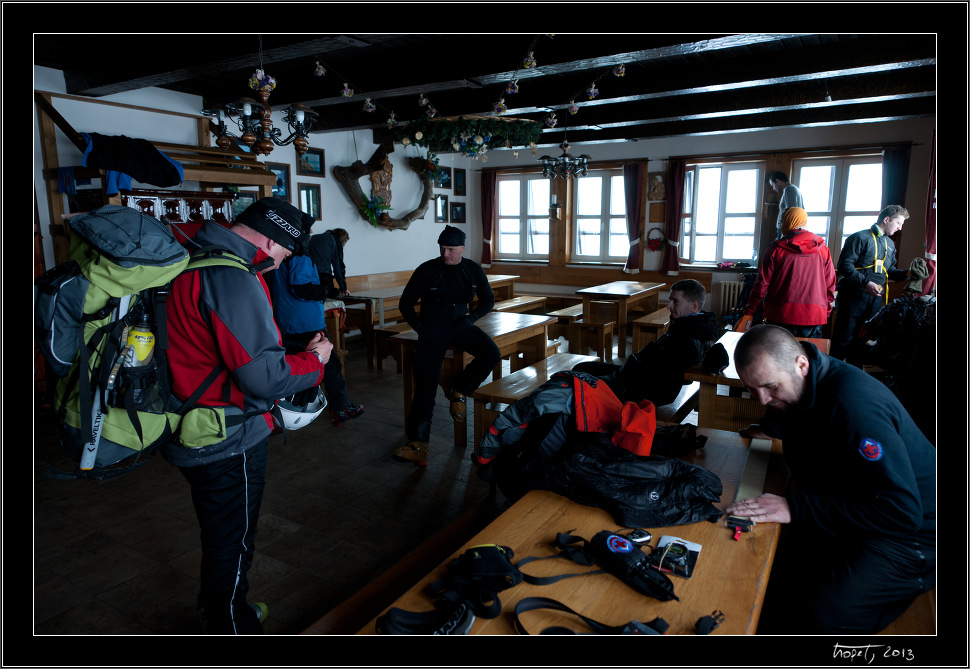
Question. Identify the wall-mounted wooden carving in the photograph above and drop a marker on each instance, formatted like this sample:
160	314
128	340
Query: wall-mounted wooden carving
348	178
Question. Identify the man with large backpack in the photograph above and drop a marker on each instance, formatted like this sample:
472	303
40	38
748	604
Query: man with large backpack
221	318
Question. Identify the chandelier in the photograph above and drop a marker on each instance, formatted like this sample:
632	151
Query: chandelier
255	123
566	165
254	118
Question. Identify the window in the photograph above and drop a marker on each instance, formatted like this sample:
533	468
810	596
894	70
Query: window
842	195
599	218
721	217
523	217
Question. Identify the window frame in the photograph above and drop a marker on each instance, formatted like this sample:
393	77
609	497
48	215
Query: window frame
524	219
836	213
606	216
689	210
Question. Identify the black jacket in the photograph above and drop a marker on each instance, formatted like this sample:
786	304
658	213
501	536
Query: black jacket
862	468
445	292
656	372
327	253
858	257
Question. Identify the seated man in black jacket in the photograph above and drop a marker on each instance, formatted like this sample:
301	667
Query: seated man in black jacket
858	542
656	372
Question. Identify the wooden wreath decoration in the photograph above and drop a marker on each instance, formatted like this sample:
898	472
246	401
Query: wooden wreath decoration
371	209
656	243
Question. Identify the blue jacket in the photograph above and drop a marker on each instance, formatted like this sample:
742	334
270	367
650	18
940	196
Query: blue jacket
294	314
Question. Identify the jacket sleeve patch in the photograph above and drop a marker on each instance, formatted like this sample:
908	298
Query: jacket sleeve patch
870	449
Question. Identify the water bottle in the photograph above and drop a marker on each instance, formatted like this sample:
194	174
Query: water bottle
141	343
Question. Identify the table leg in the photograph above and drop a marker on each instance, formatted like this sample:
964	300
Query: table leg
705	406
621	319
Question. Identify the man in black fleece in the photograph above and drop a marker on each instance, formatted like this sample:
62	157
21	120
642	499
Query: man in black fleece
859	540
656	372
445	286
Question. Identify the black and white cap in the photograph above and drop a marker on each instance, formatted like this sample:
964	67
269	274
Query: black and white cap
280	221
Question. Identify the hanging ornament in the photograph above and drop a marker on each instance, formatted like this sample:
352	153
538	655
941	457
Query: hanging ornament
406	141
573	107
533	148
529	61
368	105
592	91
432	112
319	71
515	154
347	92
513	87
499	106
260	81
550	121
391	121
418	135
619	70
422	101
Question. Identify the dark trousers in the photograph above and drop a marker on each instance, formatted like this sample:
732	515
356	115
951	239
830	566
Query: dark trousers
334	383
429	356
807	331
843	587
853	309
227	496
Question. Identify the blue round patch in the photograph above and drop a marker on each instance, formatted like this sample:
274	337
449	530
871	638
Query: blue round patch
870	449
618	544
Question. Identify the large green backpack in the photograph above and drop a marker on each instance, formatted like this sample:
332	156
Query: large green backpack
121	265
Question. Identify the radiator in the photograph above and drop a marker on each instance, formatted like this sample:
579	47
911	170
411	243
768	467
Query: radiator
730	291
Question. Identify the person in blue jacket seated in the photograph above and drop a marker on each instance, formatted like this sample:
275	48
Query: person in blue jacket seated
656	372
300	312
858	541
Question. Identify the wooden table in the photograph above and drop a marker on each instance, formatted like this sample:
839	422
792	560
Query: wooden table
730	576
725	403
511	332
627	294
503	285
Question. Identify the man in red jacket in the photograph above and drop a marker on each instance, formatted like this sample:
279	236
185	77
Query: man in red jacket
796	279
221	327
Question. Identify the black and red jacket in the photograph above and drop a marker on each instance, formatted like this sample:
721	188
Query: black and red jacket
223	316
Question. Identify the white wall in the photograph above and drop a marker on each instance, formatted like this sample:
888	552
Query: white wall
373	250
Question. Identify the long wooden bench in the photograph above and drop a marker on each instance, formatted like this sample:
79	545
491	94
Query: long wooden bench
520	304
648	328
492	398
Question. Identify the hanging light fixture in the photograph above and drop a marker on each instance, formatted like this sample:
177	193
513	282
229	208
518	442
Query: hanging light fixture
566	165
254	118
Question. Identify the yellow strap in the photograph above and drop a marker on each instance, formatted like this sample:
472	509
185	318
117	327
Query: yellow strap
879	266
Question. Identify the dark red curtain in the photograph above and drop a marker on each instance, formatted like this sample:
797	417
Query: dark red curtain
488	212
675	202
634	186
929	283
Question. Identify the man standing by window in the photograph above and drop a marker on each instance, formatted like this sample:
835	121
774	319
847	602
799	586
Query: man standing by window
866	266
790	196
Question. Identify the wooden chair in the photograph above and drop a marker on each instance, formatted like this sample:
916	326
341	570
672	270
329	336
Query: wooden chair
919	618
598	336
384	347
649	327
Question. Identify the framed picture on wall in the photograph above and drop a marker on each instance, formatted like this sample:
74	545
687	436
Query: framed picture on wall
457	212
440	208
311	164
442	178
657	212
243	199
281	188
310	200
459	181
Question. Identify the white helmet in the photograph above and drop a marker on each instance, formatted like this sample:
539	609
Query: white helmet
300	415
